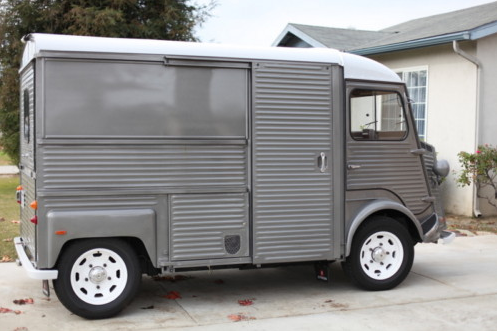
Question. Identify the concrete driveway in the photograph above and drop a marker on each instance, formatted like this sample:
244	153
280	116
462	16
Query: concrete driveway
451	287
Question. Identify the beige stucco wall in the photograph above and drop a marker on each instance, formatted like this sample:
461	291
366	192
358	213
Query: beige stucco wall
452	85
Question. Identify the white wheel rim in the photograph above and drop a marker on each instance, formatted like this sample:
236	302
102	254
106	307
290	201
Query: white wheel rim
381	255
99	276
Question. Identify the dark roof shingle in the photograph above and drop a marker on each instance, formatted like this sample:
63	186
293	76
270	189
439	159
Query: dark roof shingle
427	27
341	39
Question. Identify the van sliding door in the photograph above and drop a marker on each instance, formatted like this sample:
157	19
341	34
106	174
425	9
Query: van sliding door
293	167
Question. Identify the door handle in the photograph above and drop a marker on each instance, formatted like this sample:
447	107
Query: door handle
322	162
353	166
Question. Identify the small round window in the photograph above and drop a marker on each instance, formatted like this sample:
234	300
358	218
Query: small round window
26	122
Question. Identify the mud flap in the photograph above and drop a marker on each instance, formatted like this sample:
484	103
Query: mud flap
322	270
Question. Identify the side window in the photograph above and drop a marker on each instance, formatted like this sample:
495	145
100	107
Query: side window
145	100
26	121
377	115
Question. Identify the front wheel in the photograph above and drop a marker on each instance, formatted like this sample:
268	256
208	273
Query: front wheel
98	277
381	256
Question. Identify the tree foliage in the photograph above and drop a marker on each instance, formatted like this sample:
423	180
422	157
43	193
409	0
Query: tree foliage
151	19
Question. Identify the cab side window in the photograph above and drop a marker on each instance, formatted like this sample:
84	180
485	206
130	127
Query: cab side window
377	115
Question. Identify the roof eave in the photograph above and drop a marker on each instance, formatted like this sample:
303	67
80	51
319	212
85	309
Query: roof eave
483	31
473	34
412	44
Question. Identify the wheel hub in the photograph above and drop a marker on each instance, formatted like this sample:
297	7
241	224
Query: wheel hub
378	254
97	275
381	255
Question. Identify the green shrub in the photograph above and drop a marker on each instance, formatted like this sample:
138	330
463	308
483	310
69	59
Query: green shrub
480	168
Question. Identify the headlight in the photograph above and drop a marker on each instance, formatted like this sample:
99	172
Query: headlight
441	168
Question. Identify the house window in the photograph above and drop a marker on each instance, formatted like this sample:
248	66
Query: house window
416	81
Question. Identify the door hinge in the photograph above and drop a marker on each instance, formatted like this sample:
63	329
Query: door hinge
419	151
428	199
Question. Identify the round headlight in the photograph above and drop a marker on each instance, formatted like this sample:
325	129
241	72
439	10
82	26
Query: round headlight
441	168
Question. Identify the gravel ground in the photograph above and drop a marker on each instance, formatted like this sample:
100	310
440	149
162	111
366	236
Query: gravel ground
467	226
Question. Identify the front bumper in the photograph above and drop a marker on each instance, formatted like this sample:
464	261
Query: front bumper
438	231
28	266
447	236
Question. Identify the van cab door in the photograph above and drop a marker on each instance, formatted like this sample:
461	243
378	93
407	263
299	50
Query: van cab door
383	157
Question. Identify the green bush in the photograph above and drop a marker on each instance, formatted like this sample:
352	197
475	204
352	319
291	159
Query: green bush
480	168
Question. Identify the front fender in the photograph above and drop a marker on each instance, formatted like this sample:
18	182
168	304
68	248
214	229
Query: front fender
83	224
376	206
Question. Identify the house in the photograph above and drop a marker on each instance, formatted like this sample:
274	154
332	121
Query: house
449	63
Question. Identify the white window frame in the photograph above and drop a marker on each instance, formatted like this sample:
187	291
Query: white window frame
402	72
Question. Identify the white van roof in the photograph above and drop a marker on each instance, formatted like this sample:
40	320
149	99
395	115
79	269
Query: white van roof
355	67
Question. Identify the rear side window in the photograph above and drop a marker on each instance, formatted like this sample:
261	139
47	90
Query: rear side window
26	121
377	115
144	100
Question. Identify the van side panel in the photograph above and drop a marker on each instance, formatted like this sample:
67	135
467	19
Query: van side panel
123	166
139	223
207	226
131	136
292	187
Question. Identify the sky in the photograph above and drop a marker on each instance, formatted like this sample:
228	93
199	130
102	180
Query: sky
260	22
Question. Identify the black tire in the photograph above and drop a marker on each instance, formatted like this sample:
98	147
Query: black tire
97	277
381	255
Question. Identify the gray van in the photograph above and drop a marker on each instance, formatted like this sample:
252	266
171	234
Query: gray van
147	156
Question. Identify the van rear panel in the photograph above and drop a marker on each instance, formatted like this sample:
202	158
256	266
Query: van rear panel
27	160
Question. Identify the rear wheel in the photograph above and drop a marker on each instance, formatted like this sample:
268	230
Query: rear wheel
381	256
98	277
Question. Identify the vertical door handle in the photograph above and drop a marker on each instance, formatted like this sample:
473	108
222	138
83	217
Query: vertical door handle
322	162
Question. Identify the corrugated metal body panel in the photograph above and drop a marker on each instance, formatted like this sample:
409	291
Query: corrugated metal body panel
96	202
27	160
390	166
291	127
115	166
27	143
209	226
28	229
430	159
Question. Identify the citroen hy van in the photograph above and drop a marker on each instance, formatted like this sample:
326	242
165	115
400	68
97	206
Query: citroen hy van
152	157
